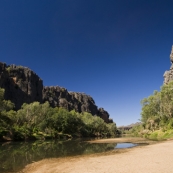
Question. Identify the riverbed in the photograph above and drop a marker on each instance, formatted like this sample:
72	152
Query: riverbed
14	156
155	158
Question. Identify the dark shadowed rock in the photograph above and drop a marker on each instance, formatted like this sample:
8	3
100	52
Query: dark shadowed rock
168	75
103	114
58	96
80	102
110	120
86	102
22	85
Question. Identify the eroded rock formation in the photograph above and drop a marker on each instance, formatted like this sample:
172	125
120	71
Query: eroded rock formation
22	85
80	102
168	75
104	115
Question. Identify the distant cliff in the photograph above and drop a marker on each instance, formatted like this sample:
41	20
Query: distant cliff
22	85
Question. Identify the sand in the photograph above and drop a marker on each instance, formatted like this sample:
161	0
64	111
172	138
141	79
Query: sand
155	158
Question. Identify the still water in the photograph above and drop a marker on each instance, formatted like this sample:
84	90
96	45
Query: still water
16	155
125	145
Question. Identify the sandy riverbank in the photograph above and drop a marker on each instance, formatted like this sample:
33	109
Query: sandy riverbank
156	158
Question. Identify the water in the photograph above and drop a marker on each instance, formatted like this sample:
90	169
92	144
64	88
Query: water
15	156
125	145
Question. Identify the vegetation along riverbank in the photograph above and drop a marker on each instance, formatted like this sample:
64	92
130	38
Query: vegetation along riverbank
40	121
156	115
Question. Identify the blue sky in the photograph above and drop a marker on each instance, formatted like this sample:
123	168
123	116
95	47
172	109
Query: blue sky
115	51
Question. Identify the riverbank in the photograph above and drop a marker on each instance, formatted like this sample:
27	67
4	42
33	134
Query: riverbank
151	158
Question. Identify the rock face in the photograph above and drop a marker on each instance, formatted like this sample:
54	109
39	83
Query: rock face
60	97
171	55
22	85
168	75
104	115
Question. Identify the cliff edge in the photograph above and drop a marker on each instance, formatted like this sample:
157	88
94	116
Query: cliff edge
22	85
168	75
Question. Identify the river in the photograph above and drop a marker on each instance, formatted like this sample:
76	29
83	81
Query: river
14	156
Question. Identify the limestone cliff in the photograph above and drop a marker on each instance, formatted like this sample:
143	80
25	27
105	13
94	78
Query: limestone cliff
104	115
58	96
168	75
22	85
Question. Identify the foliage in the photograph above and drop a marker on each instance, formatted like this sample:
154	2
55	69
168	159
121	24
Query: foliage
8	69
157	114
161	135
5	105
40	121
5	113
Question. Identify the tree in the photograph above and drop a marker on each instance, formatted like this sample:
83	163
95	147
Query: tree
150	107
157	109
5	105
167	100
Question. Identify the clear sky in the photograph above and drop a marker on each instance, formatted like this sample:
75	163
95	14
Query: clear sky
114	50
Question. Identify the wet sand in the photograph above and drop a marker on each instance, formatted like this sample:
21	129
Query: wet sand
155	158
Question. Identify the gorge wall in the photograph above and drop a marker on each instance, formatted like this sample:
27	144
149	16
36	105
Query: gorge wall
22	85
168	75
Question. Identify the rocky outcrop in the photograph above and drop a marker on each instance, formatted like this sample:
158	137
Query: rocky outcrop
80	102
171	55
22	85
168	75
104	115
85	102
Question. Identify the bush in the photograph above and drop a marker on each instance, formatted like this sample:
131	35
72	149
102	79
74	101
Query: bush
41	121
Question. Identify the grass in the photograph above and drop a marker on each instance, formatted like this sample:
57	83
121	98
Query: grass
160	135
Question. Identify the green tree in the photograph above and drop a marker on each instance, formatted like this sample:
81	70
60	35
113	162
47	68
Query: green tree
157	109
167	100
150	107
6	115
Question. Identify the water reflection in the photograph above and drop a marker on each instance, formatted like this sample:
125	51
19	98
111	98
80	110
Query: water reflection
14	156
125	145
